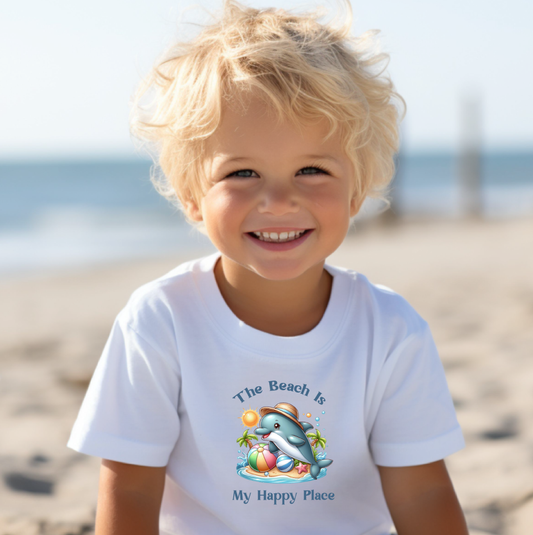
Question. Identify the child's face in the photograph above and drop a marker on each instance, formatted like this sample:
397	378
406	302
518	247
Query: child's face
263	179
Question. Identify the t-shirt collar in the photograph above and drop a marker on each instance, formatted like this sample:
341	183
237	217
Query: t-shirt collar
305	345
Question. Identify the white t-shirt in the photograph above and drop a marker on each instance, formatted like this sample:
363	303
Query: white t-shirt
181	379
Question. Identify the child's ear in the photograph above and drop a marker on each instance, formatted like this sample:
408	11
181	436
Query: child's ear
355	205
193	211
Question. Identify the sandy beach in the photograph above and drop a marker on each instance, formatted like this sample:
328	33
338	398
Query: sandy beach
472	281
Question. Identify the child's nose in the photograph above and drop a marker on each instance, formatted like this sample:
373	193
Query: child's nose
278	199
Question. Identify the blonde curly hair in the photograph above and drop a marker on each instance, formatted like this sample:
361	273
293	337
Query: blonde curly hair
302	69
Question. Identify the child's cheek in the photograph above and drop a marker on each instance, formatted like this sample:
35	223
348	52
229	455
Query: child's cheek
225	205
333	200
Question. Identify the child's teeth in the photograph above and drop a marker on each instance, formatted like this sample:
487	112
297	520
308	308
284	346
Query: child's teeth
281	237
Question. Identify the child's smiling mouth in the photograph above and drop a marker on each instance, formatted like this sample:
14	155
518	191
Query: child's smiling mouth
278	237
280	240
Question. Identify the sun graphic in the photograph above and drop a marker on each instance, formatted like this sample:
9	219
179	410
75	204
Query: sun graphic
250	418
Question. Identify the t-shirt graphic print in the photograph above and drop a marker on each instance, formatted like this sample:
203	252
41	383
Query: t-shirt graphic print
286	450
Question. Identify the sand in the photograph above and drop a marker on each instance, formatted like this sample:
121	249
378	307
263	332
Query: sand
472	281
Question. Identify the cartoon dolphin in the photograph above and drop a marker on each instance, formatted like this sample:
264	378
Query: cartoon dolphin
279	425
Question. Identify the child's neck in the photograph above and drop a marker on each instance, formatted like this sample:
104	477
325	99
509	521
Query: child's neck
283	308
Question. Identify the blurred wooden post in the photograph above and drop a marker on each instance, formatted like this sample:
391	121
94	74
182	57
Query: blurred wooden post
393	212
470	180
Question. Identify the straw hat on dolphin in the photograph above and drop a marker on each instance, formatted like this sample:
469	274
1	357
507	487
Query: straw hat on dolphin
285	409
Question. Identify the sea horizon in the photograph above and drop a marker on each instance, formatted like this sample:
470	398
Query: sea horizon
66	213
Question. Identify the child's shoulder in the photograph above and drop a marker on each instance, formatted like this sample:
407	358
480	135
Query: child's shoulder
159	298
178	278
379	303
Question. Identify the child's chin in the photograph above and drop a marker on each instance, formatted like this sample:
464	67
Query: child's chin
283	272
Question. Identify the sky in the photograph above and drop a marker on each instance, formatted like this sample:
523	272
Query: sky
68	69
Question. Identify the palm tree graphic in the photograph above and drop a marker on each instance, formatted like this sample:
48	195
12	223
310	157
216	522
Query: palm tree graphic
246	439
318	439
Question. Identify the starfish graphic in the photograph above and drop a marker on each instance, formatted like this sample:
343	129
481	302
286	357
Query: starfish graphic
302	468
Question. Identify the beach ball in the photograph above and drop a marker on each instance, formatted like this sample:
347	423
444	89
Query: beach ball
260	458
285	463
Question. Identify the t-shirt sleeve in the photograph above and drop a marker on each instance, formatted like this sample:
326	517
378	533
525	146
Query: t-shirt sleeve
130	411
414	419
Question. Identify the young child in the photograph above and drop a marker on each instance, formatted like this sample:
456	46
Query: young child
259	390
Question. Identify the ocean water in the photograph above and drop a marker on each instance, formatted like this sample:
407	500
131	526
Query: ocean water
429	185
73	214
57	215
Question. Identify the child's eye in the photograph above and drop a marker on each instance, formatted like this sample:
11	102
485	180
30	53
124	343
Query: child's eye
305	170
242	173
